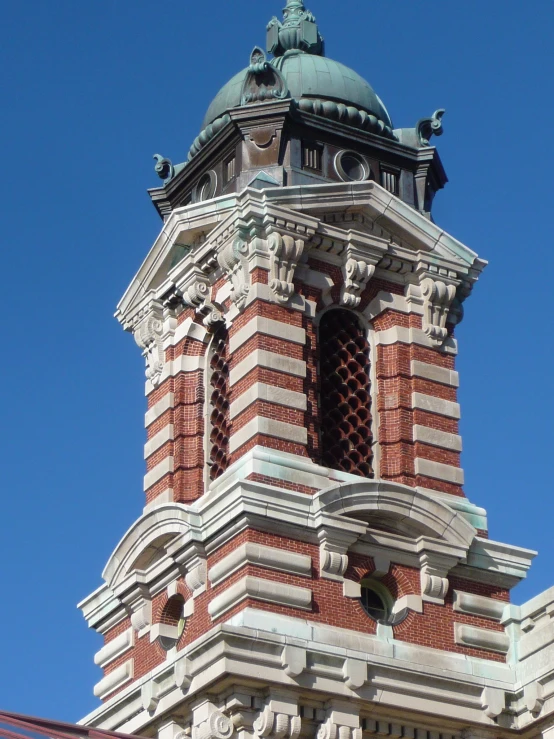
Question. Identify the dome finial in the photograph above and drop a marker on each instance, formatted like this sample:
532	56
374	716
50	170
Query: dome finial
298	31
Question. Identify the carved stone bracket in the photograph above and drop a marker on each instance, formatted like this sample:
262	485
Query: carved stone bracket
434	575
285	251
210	723
233	260
438	296
136	597
333	552
196	576
147	330
196	293
279	719
342	722
357	270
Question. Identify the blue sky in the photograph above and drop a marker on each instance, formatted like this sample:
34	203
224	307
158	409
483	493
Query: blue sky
91	90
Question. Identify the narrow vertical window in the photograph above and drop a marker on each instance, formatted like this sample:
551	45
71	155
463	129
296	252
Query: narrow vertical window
345	401
311	156
390	179
229	169
219	405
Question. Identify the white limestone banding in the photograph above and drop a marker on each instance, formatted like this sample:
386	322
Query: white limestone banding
159	408
434	373
114	648
257	588
473	636
271	394
268	360
158	440
439	471
114	679
437	438
431	404
269	327
479	605
268	427
271	558
163	468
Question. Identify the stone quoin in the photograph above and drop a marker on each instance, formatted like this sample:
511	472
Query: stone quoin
307	562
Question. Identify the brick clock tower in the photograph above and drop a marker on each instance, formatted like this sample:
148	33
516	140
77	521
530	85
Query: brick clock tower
307	563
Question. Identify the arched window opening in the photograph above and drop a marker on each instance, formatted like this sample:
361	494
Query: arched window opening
172	622
219	418
345	401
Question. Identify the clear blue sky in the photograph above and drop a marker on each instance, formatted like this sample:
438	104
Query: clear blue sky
90	91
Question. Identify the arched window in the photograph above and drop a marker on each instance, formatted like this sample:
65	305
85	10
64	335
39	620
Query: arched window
218	405
345	401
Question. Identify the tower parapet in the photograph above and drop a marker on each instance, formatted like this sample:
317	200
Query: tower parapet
307	561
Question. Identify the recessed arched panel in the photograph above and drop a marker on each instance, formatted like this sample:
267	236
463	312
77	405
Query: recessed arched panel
345	398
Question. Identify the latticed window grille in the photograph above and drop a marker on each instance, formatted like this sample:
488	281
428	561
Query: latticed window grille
219	404
345	401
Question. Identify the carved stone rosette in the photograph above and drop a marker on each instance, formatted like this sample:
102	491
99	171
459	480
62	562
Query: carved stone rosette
285	252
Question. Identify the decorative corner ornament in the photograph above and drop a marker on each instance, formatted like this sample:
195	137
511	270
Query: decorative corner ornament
285	252
277	725
233	260
332	563
427	127
216	726
197	295
263	81
332	730
148	333
357	273
164	168
438	297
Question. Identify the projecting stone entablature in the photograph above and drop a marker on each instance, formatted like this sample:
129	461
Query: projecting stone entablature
259	271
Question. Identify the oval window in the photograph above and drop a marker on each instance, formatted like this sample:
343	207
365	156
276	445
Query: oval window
351	167
205	189
376	600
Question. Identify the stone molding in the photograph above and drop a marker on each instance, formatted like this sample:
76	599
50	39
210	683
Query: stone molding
479	605
114	648
253	645
114	680
473	636
271	558
434	537
257	588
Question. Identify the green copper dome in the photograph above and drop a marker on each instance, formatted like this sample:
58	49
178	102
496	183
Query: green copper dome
312	77
299	71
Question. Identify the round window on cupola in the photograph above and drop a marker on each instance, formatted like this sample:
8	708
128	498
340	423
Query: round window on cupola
352	167
206	187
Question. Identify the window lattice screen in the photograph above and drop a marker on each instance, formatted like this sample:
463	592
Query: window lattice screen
345	401
219	403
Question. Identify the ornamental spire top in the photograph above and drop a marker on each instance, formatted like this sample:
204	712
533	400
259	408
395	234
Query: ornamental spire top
297	32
